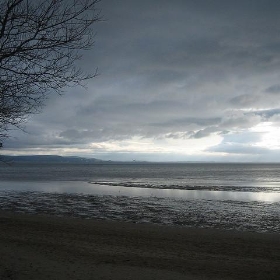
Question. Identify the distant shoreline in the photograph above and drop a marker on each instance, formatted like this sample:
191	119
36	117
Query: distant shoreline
44	247
52	159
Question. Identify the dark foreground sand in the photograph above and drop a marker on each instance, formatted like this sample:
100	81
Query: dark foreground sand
42	247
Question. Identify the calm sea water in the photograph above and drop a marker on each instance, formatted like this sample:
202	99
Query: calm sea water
227	196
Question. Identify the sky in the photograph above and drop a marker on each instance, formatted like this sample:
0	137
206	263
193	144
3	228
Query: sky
182	80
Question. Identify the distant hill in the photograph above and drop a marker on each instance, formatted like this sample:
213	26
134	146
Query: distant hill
49	159
72	159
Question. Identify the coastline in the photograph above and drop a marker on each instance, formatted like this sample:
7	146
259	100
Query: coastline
48	247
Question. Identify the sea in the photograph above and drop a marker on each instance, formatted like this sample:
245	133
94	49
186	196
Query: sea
228	196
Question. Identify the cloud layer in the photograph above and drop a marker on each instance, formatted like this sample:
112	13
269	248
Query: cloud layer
182	80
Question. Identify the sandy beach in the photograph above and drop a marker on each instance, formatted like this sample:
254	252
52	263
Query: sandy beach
45	247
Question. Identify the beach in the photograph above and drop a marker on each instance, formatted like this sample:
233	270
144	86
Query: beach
49	247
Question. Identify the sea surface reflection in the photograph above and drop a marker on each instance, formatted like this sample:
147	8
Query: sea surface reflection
99	189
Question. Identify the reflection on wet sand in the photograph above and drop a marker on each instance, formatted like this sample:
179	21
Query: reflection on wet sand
223	214
115	190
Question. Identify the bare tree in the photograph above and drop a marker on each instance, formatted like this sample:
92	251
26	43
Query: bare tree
40	43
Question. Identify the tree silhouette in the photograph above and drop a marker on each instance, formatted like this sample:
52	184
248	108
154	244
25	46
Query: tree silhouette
40	43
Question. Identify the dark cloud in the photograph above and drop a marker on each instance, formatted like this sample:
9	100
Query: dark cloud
275	89
245	100
267	114
204	132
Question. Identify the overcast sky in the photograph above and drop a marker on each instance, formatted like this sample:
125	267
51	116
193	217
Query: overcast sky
179	80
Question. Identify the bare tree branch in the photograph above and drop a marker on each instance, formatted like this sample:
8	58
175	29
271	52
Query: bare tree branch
40	43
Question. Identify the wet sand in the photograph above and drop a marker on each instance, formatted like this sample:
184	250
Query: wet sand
44	247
